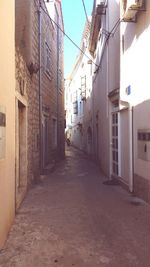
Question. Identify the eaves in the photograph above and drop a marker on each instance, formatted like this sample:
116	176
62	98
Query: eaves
95	27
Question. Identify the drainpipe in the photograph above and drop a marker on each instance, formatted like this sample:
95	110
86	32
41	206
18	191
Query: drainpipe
93	121
58	144
108	105
40	91
131	148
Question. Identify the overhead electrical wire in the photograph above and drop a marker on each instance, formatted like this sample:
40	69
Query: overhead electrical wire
85	10
68	36
115	26
119	21
108	35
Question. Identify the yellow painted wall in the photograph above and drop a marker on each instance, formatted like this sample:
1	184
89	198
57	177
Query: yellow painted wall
7	102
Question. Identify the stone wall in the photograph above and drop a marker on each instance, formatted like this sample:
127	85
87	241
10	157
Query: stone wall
27	53
52	91
23	147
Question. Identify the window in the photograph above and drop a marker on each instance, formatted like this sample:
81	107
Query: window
80	108
115	167
47	59
75	107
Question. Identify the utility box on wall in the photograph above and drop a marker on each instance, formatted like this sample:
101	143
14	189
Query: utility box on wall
2	132
144	144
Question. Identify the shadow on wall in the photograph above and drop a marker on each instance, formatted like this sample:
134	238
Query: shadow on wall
142	150
142	114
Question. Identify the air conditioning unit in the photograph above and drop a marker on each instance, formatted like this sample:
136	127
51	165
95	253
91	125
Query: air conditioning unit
131	9
101	7
102	2
134	4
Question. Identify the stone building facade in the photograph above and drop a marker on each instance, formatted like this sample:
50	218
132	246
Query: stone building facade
39	69
26	59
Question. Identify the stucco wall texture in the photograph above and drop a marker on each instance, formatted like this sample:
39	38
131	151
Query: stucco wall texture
7	105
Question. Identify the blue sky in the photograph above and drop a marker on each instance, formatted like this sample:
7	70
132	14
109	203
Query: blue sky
74	21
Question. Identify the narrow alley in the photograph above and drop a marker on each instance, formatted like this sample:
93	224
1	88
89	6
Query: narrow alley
72	218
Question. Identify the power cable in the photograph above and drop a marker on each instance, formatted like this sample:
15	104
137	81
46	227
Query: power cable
85	10
119	21
68	37
108	35
115	26
112	32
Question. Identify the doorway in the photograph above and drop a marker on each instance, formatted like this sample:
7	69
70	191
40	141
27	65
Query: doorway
21	152
114	120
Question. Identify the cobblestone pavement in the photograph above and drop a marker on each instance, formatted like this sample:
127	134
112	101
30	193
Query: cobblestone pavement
73	219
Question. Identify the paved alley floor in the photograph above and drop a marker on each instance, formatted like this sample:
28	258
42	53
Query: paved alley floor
72	219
